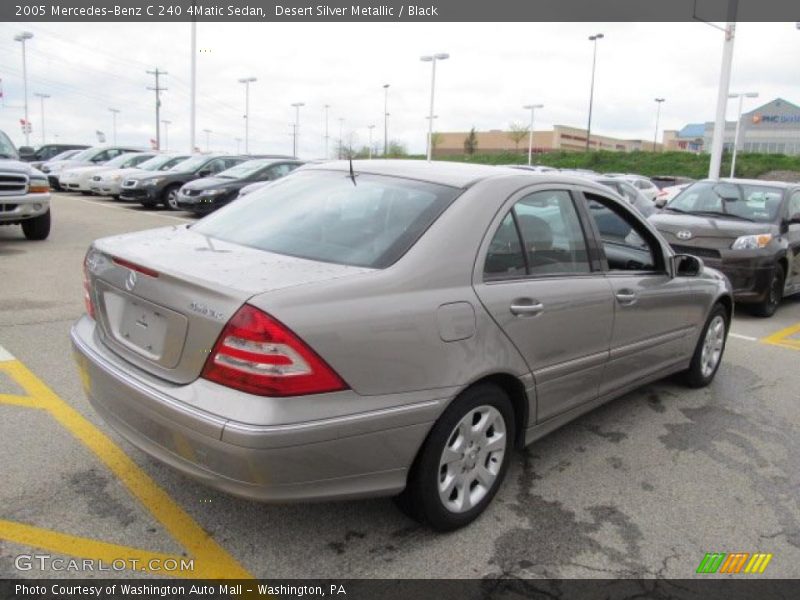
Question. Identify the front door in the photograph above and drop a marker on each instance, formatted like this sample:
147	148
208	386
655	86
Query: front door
552	301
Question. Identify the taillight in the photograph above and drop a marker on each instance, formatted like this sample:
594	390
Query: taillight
259	355
87	288
134	267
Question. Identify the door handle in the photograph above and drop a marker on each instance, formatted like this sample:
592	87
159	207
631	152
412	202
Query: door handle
530	308
626	297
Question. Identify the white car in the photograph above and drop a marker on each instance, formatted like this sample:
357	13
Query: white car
668	193
640	182
79	179
107	183
96	155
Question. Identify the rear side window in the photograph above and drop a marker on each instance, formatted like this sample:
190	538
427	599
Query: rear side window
541	235
326	216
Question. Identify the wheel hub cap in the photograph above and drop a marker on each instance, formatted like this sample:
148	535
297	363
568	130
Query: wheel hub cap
712	346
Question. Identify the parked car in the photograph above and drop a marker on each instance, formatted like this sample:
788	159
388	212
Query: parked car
640	182
386	327
46	152
108	183
748	229
79	179
666	194
206	195
625	190
665	181
24	193
85	158
152	189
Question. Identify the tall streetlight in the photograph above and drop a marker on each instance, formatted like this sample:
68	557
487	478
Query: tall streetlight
385	119
42	98
22	38
593	39
114	113
247	81
532	108
327	137
297	106
659	102
166	123
432	59
208	138
741	96
370	127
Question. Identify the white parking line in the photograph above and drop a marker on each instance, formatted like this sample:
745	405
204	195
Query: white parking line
5	355
743	337
149	214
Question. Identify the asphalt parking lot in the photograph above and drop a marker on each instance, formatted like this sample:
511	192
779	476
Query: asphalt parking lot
642	487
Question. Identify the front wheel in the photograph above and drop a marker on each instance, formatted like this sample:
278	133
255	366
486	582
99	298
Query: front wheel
463	461
171	197
37	228
769	305
710	347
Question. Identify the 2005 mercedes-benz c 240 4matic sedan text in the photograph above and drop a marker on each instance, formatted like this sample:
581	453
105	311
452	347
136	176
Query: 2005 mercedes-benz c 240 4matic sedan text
387	327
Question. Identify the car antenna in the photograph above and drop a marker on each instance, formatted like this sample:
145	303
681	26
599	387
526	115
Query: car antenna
352	175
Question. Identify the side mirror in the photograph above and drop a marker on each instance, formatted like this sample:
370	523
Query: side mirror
26	151
204	173
686	265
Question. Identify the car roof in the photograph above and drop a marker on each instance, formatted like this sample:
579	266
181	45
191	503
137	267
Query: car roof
453	174
781	184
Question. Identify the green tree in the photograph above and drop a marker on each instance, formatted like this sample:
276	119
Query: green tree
471	142
436	139
517	133
397	149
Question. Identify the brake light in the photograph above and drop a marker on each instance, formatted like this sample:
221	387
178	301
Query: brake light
259	355
87	288
134	267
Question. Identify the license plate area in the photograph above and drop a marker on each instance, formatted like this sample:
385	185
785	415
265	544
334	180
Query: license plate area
142	327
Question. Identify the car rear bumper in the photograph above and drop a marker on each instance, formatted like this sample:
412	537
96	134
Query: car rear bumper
348	456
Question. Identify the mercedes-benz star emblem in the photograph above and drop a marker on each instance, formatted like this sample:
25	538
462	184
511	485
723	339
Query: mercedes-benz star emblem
684	234
130	281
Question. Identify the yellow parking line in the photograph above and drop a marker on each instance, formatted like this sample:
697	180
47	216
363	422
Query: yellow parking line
211	560
781	338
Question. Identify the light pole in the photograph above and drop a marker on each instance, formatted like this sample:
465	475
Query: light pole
297	106
718	139
42	98
385	119
741	96
341	129
247	81
208	136
327	137
114	113
532	108
593	39
166	123
22	38
370	127
659	101
432	59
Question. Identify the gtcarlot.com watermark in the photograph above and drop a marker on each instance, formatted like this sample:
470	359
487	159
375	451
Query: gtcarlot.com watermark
45	562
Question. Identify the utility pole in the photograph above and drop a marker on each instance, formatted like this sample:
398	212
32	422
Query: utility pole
718	141
42	99
593	39
193	84
114	113
327	137
385	119
297	106
658	116
22	38
166	124
532	108
157	89
370	127
247	81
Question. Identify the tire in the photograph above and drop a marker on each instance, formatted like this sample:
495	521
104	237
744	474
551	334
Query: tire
709	350
769	305
37	228
422	499
170	197
85	193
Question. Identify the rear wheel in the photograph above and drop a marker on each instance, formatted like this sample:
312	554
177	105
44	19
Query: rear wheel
710	347
462	463
769	305
171	197
37	228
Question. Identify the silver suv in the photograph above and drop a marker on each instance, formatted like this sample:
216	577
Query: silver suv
24	194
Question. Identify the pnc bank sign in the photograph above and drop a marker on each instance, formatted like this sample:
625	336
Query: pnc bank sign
775	119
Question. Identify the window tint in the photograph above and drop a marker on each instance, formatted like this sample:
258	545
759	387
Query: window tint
279	171
541	235
215	166
326	216
504	259
625	241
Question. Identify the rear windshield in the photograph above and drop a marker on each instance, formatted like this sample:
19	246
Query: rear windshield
325	216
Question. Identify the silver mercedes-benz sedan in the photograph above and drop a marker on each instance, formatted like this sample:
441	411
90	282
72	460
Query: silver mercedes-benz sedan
387	328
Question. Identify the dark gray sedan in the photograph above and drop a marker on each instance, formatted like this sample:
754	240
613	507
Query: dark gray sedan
387	328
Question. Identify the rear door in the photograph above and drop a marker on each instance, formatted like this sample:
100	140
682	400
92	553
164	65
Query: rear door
543	285
655	314
793	239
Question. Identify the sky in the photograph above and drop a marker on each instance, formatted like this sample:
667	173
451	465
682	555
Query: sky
493	70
